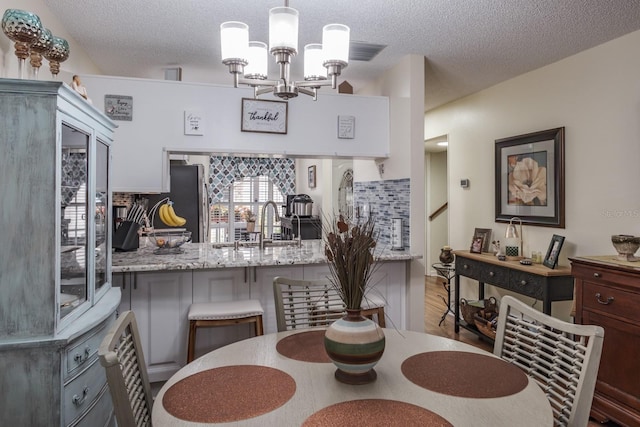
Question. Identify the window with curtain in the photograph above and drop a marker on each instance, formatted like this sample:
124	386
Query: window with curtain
244	196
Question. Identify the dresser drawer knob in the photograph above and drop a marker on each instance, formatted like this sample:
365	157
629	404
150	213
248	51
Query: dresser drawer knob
523	282
607	302
79	400
491	273
596	275
465	266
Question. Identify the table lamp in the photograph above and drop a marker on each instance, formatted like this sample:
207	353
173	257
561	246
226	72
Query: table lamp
511	250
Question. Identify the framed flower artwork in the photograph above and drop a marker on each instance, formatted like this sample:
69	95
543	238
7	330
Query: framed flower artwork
529	178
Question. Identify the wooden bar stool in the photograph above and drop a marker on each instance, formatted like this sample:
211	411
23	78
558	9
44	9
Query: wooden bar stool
212	314
374	304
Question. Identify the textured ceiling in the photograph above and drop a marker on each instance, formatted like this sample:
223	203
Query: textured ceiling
468	44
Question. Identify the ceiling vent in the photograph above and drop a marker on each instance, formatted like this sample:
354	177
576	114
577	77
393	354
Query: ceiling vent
362	51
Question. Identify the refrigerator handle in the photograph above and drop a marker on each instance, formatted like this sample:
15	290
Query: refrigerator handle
206	213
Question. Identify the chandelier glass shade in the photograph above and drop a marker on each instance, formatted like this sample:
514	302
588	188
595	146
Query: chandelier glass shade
247	60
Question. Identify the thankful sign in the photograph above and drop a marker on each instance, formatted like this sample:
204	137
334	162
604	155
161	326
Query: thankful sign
264	116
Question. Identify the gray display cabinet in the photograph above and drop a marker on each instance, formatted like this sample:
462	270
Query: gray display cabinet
56	299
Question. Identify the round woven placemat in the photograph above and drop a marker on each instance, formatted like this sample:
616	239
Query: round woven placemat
463	374
375	412
229	393
306	346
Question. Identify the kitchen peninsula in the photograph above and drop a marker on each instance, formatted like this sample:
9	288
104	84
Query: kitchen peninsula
160	288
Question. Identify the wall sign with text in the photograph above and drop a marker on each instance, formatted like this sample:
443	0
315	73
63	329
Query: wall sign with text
193	123
119	107
264	116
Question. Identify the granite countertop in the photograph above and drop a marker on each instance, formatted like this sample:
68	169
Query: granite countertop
205	256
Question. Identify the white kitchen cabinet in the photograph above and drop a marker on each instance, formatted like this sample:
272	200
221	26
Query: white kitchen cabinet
56	299
160	302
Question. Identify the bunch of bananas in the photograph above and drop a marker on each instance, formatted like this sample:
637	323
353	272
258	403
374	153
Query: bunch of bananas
168	216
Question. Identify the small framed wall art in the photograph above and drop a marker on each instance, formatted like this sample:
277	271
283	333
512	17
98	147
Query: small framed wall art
119	107
193	123
312	176
346	127
264	116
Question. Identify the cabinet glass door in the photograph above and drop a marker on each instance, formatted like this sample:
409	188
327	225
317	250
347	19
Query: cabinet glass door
102	215
74	215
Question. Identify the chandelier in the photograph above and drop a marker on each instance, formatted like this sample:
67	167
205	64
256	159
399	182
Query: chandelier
247	60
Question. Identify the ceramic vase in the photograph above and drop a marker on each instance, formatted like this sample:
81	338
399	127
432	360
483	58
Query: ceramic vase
354	344
446	255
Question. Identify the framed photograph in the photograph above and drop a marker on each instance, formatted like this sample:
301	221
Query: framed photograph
476	245
312	176
529	178
264	116
485	233
551	259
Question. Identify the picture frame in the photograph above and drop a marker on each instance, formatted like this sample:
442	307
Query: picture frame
119	107
312	176
529	178
486	237
476	244
264	116
551	259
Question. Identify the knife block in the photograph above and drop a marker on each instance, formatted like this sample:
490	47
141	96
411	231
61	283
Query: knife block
126	237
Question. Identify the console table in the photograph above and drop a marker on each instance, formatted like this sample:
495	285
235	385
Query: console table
536	280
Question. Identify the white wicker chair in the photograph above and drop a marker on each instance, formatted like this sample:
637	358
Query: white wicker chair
309	303
563	358
121	355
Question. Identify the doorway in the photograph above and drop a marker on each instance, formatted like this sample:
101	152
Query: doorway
437	196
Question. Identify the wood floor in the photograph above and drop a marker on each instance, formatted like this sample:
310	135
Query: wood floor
435	306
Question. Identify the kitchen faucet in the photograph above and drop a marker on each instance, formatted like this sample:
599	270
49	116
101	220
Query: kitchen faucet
262	220
299	238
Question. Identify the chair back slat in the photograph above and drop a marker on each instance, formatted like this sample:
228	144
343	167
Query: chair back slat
121	355
305	303
563	358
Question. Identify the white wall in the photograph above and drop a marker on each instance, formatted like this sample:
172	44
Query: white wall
595	95
404	85
78	62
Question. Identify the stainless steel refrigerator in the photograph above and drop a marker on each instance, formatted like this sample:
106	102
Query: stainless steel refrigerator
188	191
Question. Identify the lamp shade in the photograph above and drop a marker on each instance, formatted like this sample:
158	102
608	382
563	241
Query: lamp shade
257	57
313	68
283	29
234	40
335	42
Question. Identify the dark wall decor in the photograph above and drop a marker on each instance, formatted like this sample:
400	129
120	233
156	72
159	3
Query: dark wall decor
529	178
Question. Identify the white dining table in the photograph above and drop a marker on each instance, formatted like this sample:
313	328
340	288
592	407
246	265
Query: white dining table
310	389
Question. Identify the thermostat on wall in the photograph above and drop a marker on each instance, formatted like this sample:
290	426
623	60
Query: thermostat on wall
464	183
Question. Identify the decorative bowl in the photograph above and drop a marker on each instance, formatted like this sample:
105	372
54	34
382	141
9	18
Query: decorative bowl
169	242
626	246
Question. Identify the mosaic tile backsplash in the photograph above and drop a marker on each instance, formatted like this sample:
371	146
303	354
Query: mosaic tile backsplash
385	200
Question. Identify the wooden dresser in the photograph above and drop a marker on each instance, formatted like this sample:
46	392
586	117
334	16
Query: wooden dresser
608	294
